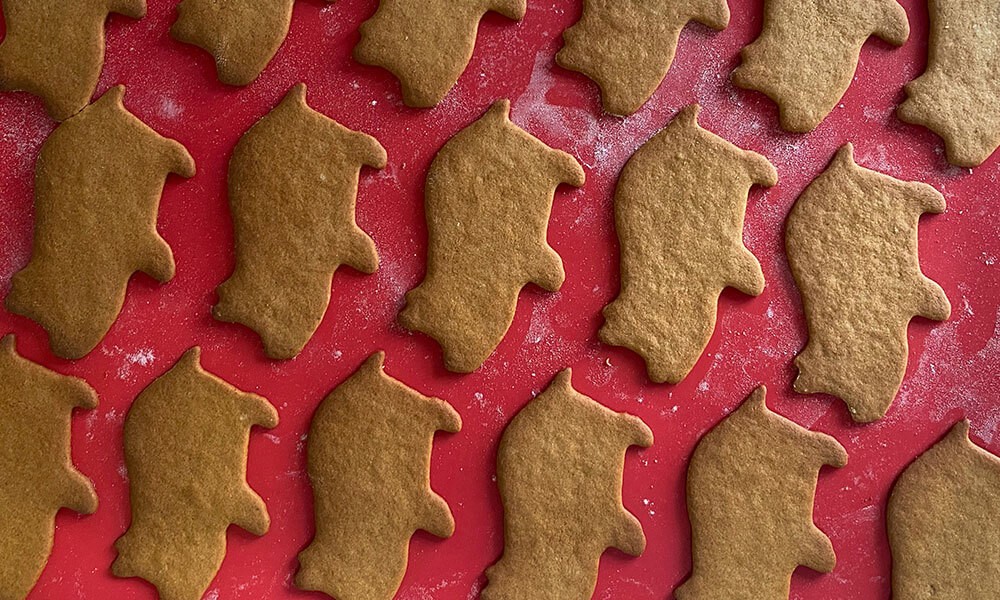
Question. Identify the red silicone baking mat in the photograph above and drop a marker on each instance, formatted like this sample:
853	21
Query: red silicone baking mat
173	88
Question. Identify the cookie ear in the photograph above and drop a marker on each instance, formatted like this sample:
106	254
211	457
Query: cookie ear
712	13
512	9
135	9
892	25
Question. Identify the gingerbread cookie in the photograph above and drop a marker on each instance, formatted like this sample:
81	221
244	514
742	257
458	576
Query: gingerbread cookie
293	181
38	476
55	49
626	46
243	36
427	44
956	97
851	241
750	491
98	182
186	439
679	211
807	53
488	198
559	470
942	519
369	453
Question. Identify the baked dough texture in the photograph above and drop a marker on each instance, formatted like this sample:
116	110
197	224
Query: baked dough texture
242	35
38	476
369	458
54	49
679	210
186	439
750	491
851	240
293	183
956	97
559	470
488	198
427	44
98	182
807	53
627	46
942	518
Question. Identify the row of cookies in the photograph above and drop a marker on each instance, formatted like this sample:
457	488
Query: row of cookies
750	490
804	59
679	209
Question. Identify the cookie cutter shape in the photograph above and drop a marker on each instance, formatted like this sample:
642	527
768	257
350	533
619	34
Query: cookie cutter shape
559	470
851	240
242	35
627	46
941	521
293	182
98	182
750	491
956	97
679	211
807	53
427	44
369	458
55	49
186	439
488	198
38	473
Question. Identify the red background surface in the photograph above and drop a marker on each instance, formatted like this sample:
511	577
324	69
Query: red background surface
172	87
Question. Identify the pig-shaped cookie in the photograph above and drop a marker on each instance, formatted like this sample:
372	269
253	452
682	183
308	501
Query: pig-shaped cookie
37	476
186	439
559	470
98	183
369	458
488	198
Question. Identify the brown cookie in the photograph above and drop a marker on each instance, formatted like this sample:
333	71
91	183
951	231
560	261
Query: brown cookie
293	181
559	470
427	44
38	474
243	36
55	49
807	53
942	520
369	453
488	198
750	491
956	97
851	240
186	439
98	182
679	211
626	46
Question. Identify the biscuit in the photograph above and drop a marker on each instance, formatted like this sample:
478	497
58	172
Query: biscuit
55	49
627	46
750	491
807	53
851	240
427	44
559	471
369	457
98	182
679	210
488	198
293	182
186	438
241	35
942	518
39	478
956	97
